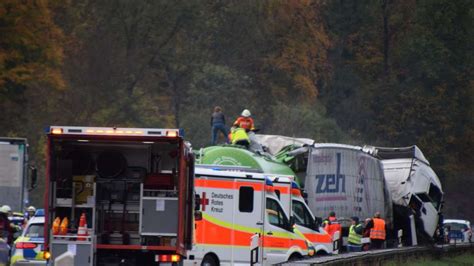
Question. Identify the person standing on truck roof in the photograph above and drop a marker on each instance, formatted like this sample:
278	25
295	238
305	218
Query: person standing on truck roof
355	235
245	121
218	124
377	231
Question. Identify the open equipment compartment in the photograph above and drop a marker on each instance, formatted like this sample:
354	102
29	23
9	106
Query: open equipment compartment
136	192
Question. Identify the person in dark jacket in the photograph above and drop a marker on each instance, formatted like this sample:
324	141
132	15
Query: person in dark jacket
366	234
6	231
218	124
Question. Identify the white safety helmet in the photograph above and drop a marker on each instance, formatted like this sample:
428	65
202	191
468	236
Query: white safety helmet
5	209
31	209
246	113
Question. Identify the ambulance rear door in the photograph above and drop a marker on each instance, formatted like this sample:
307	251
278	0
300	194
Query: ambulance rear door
248	218
214	232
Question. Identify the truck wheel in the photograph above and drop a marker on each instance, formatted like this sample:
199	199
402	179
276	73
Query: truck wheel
209	260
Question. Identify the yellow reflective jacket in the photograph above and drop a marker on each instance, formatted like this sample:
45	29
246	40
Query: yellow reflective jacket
239	134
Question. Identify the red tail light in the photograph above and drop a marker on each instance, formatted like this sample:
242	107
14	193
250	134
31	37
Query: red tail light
25	245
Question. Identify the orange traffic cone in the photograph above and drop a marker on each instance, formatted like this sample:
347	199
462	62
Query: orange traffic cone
63	226
56	224
82	230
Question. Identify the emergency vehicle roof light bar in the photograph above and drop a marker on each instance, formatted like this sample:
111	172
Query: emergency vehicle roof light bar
114	131
269	185
294	185
295	189
268	182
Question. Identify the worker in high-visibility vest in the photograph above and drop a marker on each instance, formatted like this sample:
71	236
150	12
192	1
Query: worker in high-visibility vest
245	121
332	225
239	136
355	236
377	232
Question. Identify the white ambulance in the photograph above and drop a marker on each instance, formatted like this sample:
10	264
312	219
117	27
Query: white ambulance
234	208
293	202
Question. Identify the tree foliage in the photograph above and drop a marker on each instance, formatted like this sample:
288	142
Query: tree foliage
31	55
30	49
425	97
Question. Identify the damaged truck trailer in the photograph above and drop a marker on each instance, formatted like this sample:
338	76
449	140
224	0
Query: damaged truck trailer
359	181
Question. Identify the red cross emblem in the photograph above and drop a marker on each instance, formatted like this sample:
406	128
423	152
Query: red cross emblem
204	201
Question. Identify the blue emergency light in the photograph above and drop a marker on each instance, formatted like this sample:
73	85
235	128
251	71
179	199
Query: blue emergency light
294	185
268	182
39	213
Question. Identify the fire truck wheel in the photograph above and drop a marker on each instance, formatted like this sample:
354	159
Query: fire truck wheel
210	260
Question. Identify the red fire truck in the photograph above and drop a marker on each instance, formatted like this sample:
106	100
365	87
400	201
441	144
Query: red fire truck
134	186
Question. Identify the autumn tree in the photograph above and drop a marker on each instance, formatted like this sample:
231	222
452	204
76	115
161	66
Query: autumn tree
31	57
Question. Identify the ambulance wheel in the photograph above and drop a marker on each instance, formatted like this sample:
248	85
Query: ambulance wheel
210	260
295	256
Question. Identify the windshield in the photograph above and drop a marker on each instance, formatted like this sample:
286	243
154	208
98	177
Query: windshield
276	215
35	230
456	226
302	215
436	196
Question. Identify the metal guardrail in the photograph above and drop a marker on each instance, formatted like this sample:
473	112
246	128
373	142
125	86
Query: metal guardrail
376	257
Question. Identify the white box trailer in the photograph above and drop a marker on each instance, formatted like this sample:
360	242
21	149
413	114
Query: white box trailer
346	180
14	185
336	177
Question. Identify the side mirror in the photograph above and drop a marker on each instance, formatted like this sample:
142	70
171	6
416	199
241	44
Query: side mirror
292	223
317	223
34	177
197	215
305	195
